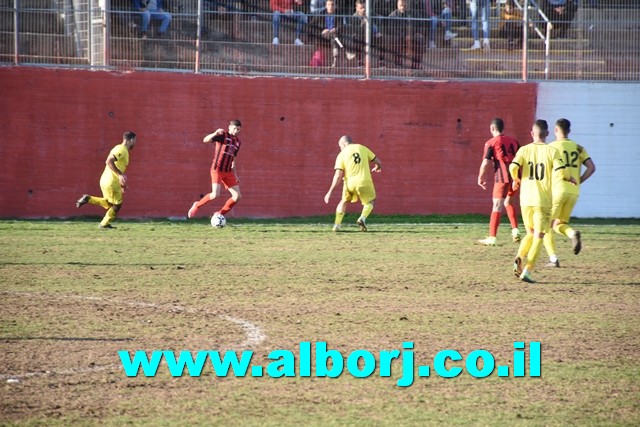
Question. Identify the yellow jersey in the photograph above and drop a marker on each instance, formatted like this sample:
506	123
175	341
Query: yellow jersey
121	153
574	156
354	160
538	162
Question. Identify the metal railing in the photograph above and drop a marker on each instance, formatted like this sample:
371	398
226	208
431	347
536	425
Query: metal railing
229	38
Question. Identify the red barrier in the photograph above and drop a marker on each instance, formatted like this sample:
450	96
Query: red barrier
58	126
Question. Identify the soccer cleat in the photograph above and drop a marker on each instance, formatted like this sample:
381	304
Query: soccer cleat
577	244
362	224
553	264
489	241
82	200
526	277
106	227
336	227
515	234
517	266
193	210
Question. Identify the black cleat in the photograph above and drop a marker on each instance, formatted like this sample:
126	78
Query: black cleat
82	200
577	244
106	227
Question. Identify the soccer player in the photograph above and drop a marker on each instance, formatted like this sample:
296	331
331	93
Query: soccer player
352	166
223	168
536	163
565	194
499	151
113	181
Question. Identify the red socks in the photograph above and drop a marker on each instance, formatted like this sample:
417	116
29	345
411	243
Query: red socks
228	206
511	213
494	222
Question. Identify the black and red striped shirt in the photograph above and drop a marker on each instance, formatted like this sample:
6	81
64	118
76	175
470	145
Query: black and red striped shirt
227	147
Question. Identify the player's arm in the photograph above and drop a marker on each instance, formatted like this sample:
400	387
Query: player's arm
111	164
484	167
337	177
207	139
514	171
377	165
590	169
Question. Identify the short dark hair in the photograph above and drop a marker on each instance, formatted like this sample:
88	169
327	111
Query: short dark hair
235	122
564	125
498	123
542	125
128	136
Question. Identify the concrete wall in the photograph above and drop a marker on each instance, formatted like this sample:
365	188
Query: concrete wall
605	119
57	127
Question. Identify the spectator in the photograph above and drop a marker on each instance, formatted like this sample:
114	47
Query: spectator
328	27
357	28
560	13
511	23
286	8
406	35
480	9
152	9
434	11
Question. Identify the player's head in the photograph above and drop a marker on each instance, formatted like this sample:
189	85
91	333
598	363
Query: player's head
497	125
563	127
234	127
129	139
344	141
540	130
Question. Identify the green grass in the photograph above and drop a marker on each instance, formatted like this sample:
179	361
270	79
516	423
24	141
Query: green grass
73	295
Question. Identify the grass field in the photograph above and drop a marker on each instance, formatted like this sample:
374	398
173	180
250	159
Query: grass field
72	296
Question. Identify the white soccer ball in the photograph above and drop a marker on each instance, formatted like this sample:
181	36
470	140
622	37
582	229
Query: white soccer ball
218	221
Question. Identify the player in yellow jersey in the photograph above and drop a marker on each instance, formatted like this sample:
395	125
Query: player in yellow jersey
352	167
565	194
113	180
536	162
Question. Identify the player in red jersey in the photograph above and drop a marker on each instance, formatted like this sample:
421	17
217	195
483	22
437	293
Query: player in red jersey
223	168
499	151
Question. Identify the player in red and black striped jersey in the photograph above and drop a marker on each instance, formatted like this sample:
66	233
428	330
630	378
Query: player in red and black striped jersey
227	145
499	151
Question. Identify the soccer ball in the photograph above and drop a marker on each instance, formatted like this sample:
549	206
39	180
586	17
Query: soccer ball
218	221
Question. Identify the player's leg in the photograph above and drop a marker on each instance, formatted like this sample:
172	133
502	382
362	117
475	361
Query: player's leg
541	222
231	201
525	243
511	213
113	196
367	195
549	238
341	209
561	225
498	196
216	186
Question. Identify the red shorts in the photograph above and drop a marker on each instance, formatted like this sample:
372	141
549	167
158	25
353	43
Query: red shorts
503	189
228	179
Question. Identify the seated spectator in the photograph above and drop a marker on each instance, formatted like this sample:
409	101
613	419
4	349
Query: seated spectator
286	9
511	23
434	11
357	29
405	32
328	27
152	9
560	13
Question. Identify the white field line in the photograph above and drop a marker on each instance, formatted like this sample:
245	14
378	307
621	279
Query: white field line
253	333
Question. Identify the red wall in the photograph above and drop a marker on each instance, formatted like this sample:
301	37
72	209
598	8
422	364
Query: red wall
57	127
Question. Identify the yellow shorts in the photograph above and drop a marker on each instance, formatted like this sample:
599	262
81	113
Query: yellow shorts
111	191
536	218
365	192
563	206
